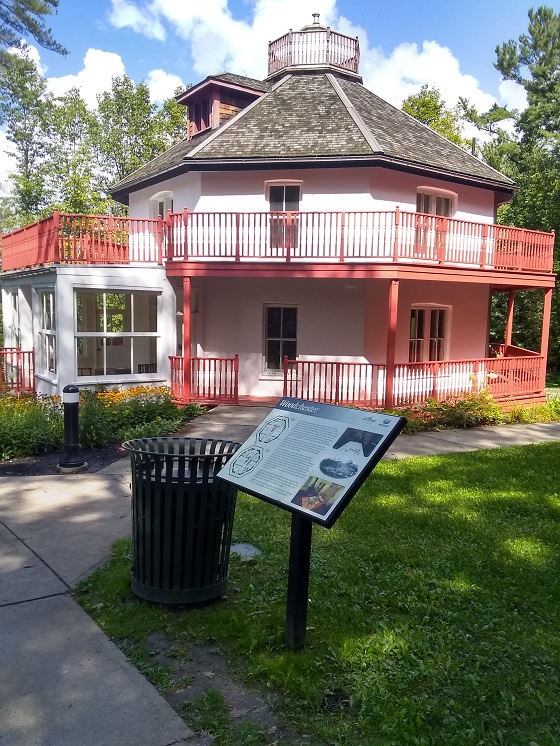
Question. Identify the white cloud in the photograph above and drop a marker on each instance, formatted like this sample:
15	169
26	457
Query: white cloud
94	78
162	85
125	14
512	95
218	41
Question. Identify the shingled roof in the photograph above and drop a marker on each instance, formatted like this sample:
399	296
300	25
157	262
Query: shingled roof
318	118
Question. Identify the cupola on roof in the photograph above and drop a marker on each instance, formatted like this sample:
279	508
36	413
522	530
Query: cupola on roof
314	48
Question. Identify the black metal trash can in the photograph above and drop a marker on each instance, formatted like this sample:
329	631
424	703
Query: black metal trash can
182	518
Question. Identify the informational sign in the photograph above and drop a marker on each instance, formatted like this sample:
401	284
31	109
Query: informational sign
311	458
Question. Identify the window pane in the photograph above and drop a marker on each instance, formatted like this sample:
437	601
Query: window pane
289	323
291	198
289	350
144	355
273	355
276	198
273	322
145	312
88	314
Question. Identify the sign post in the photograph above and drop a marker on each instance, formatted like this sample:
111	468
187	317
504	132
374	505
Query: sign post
298	582
309	458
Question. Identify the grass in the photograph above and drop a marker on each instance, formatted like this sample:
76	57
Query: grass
433	615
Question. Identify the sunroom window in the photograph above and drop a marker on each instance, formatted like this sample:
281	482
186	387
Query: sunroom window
47	333
116	332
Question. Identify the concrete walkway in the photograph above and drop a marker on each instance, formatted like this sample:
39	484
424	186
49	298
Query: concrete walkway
62	681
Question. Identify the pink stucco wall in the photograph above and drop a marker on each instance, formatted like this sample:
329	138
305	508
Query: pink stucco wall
337	320
326	189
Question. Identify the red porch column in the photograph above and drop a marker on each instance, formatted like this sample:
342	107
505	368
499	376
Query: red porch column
187	338
509	318
546	323
391	341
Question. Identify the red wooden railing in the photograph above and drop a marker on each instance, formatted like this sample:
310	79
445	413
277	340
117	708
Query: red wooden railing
210	380
364	383
17	370
386	236
503	377
84	239
335	382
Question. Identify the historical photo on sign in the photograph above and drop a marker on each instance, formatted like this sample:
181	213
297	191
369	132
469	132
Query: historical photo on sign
338	469
358	441
311	457
317	495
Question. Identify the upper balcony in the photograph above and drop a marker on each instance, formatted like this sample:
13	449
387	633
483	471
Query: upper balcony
384	237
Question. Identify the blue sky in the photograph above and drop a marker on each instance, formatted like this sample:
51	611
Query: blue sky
168	43
470	30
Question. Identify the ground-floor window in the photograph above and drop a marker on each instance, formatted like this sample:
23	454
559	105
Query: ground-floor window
116	332
280	336
46	362
428	334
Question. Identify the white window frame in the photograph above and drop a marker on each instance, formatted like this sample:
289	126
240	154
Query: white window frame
433	193
268	372
420	348
47	363
112	339
160	204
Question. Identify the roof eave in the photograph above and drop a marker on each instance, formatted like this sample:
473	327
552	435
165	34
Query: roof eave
238	164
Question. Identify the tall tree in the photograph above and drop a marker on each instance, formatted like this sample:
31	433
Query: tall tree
26	109
129	132
27	18
533	61
429	108
73	183
532	156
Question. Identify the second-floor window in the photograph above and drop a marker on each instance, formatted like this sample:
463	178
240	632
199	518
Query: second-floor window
283	228
436	202
428	334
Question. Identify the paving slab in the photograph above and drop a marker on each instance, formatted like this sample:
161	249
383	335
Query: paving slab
23	575
473	439
70	521
63	683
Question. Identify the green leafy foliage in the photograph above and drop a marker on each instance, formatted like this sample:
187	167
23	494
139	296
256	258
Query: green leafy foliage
66	155
27	17
429	108
531	157
31	425
465	410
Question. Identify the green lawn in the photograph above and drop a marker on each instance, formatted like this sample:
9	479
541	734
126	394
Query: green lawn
433	615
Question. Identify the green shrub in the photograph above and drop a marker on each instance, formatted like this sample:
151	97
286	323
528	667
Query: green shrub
464	410
30	425
35	424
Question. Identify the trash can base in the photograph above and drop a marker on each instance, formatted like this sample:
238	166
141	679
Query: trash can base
190	596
